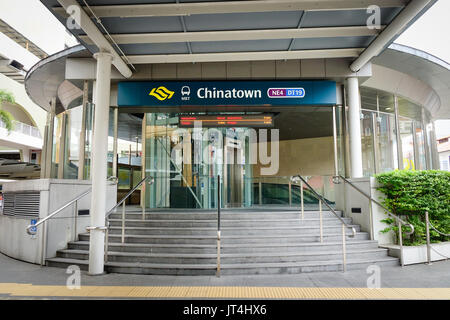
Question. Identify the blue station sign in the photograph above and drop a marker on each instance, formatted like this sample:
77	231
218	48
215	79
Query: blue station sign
223	93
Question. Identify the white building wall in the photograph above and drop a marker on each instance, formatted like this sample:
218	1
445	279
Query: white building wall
444	160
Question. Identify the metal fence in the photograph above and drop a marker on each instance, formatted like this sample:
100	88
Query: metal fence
23	128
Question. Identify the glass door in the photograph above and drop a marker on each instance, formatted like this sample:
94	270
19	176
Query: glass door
185	164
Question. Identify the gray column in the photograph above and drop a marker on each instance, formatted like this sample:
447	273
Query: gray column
354	124
82	144
115	133
48	150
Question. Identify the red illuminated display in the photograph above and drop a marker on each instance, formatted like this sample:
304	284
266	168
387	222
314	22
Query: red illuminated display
261	120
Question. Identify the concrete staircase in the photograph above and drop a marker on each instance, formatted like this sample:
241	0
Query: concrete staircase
183	242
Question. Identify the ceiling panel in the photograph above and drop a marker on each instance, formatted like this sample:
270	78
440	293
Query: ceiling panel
243	21
339	18
142	24
237	46
330	43
154	48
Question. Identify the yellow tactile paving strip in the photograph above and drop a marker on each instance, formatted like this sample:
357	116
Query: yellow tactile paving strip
29	290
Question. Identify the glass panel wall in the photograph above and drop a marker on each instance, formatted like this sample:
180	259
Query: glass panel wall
407	140
185	161
420	146
57	135
340	135
72	145
367	139
379	137
88	139
386	143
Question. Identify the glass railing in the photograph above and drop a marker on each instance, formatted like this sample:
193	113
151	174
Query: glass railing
282	191
23	128
171	190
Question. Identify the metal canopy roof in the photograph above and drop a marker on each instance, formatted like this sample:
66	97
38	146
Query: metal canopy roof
162	31
21	40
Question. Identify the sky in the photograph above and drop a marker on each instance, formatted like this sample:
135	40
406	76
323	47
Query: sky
429	33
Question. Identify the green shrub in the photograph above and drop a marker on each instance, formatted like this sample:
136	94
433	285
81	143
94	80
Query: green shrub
410	194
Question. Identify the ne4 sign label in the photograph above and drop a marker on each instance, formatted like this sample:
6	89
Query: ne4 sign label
223	93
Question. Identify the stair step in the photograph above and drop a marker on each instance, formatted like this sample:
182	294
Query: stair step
227	269
184	242
230	258
228	231
211	239
230	248
225	215
227	223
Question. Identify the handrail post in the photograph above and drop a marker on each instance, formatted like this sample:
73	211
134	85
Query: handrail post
427	221
260	191
320	219
301	200
123	222
290	193
218	226
106	239
400	241
143	200
344	251
75	218
370	220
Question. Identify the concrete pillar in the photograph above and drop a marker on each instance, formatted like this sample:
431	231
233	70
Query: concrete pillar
354	124
99	162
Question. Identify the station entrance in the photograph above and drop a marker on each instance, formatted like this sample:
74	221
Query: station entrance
186	153
254	135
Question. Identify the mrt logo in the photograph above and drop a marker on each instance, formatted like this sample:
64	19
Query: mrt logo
161	93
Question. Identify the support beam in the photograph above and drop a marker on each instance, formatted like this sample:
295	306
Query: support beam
389	34
187	9
296	33
85	22
354	124
245	56
99	163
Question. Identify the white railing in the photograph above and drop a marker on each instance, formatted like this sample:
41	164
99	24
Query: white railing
23	128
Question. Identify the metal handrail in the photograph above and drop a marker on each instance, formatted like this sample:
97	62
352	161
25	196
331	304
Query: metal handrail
399	220
434	228
382	206
428	224
122	201
54	213
218	225
343	223
128	194
322	199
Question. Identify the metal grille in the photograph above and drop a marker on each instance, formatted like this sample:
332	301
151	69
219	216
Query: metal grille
21	204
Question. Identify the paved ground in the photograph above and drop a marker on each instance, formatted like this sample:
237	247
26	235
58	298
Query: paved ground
23	279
